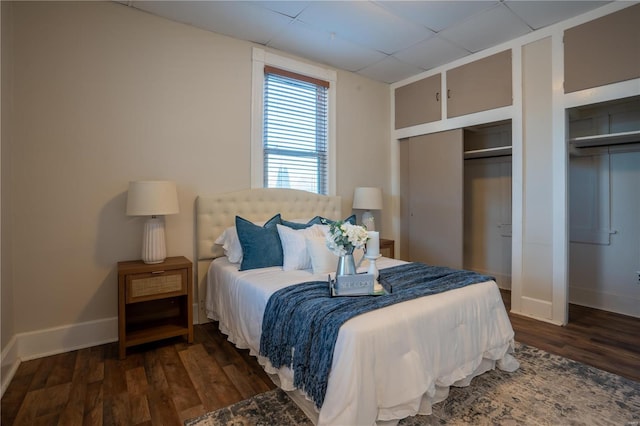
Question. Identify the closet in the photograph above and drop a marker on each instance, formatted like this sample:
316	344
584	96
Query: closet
456	199
487	201
604	205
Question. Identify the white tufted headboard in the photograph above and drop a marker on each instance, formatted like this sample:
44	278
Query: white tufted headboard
215	213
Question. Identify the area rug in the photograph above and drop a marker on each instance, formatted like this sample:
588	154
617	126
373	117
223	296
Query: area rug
546	390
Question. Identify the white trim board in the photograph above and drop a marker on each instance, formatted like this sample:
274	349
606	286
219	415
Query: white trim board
620	304
540	310
10	364
56	340
51	341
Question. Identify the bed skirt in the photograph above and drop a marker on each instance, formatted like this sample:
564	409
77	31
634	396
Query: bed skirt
437	391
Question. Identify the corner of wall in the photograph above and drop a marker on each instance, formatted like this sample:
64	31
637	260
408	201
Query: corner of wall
10	363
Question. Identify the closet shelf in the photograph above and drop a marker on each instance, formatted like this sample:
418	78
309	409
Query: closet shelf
608	139
498	151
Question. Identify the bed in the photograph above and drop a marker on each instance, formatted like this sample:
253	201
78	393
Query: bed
387	364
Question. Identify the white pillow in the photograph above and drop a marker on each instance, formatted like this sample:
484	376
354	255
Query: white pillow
358	254
294	246
230	244
323	261
324	229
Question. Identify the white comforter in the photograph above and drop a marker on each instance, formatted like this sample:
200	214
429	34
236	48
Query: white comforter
388	364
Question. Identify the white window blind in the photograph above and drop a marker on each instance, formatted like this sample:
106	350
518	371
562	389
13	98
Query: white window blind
295	131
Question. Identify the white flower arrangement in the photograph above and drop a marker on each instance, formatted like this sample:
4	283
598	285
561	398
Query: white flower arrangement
343	237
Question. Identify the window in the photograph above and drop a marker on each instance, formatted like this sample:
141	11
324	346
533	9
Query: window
292	125
294	131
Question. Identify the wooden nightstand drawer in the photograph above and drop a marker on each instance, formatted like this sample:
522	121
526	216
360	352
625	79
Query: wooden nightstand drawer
155	285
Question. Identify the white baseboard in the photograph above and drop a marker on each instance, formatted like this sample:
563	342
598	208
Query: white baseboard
51	341
624	305
10	363
541	310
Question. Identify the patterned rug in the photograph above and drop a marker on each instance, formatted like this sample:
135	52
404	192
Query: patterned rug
546	390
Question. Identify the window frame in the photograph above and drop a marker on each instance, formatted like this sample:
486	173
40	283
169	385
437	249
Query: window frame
262	58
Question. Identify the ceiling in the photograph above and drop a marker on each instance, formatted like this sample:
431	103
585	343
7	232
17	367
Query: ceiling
386	41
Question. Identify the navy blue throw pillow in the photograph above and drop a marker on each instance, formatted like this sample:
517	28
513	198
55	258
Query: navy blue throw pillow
261	246
324	221
298	225
318	220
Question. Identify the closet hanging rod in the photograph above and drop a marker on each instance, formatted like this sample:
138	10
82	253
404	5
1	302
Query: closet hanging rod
498	151
606	139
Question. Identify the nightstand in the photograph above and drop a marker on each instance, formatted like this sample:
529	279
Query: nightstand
387	248
154	301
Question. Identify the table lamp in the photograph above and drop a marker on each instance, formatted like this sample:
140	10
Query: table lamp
367	198
152	198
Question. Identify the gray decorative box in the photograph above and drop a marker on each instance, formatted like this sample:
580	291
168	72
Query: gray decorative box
353	285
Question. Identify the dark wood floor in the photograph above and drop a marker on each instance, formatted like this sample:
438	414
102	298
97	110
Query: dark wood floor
168	382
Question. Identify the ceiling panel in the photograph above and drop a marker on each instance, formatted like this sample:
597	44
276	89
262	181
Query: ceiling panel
240	20
287	8
385	40
390	70
486	29
541	14
364	23
431	53
303	40
436	15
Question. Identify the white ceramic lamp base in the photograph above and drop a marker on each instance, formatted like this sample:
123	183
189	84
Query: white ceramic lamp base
154	249
368	221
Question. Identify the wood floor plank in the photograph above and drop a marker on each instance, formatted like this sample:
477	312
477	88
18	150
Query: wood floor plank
63	368
117	409
163	410
154	371
42	373
182	391
140	412
192	413
96	364
137	386
114	378
170	381
93	405
240	381
53	399
13	397
28	409
212	384
137	381
73	412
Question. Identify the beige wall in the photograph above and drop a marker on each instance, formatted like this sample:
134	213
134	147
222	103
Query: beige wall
105	94
363	116
7	328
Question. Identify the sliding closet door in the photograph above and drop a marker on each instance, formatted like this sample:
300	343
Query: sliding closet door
435	198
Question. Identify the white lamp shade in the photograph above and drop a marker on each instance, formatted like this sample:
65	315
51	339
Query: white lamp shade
152	198
367	198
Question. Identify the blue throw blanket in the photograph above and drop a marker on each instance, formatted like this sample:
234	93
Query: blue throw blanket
301	322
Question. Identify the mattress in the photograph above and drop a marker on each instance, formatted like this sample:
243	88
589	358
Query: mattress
388	364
